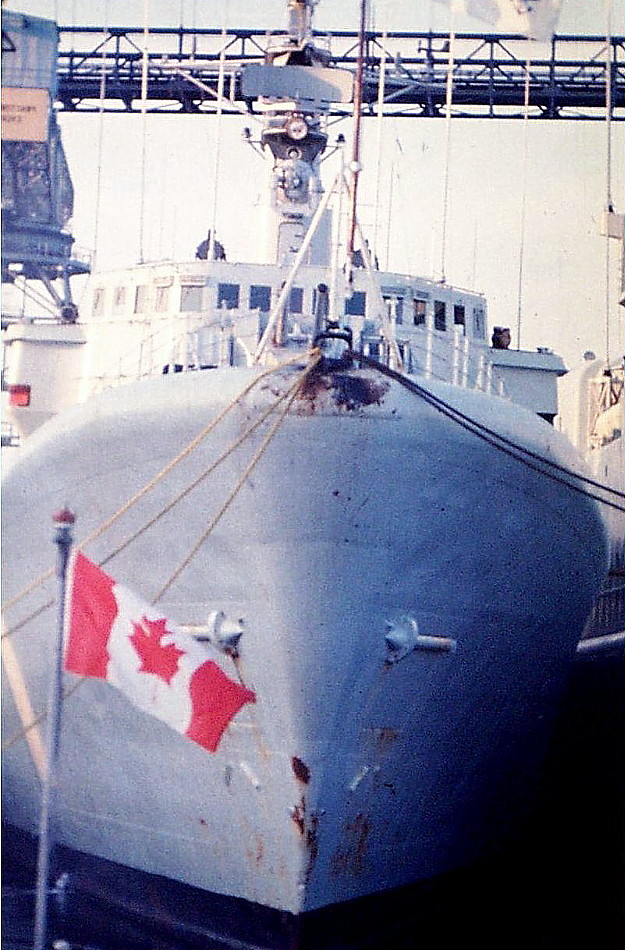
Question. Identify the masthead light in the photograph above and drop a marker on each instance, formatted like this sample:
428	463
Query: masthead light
297	128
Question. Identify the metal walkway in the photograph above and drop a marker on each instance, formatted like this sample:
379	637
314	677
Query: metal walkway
489	72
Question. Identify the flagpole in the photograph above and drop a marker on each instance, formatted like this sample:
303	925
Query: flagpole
64	521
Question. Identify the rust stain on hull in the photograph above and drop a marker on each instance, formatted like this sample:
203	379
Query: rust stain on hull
351	857
300	770
308	827
348	392
256	852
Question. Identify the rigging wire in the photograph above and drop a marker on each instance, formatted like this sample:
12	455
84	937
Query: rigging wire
100	148
523	213
34	295
276	314
449	92
379	141
144	125
218	134
609	207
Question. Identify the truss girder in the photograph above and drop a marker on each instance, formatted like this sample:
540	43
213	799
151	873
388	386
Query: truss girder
103	70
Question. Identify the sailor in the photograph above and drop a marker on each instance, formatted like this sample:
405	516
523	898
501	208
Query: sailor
501	338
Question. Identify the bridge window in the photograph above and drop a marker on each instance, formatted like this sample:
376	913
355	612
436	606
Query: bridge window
356	304
141	298
394	299
228	296
260	298
296	302
459	319
419	312
191	299
440	315
394	305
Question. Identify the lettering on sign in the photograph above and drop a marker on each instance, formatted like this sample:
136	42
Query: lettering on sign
25	114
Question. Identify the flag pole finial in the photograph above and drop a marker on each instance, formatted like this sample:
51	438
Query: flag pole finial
64	516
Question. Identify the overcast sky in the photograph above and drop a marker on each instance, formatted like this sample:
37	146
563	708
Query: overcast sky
564	283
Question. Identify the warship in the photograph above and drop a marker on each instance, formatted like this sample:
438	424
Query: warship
350	499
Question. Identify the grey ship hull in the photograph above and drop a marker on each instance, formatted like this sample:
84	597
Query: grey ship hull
350	775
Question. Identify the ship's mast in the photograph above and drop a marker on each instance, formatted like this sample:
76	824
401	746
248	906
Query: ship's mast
300	20
294	136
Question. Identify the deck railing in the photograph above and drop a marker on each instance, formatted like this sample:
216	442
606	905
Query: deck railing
608	613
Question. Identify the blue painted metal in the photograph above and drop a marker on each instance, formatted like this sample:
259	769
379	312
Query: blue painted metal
489	78
37	191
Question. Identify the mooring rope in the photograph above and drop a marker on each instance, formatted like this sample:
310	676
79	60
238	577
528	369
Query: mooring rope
190	447
41	717
196	481
288	398
524	455
242	479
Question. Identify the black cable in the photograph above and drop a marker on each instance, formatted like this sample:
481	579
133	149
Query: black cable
502	443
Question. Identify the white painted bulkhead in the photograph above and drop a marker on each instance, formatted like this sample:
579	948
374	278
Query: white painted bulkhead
49	359
159	318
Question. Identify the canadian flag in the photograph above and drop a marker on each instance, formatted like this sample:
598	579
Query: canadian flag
116	636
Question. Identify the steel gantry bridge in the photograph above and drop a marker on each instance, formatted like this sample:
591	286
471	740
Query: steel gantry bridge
179	70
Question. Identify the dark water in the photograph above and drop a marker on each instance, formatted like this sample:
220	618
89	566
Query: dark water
557	886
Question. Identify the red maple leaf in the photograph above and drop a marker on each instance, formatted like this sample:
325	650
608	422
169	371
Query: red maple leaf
162	660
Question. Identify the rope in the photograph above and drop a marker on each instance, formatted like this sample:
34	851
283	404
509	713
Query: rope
149	485
500	442
505	445
26	620
197	481
289	396
241	481
41	717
